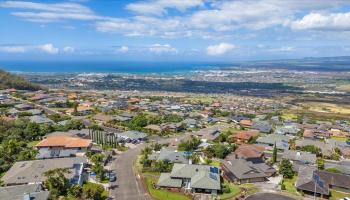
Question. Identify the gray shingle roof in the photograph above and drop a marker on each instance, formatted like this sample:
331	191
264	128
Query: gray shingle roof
243	169
41	119
133	135
24	172
305	157
166	181
17	192
172	156
201	176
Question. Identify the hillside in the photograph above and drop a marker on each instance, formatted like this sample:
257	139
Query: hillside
8	80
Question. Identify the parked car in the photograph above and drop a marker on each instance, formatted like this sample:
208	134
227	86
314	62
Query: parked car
112	177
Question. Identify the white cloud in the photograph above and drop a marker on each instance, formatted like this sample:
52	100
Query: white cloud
282	49
13	49
123	49
162	48
319	21
159	7
41	12
58	7
48	48
219	49
68	49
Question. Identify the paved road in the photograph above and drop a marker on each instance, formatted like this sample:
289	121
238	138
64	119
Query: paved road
268	196
128	183
128	186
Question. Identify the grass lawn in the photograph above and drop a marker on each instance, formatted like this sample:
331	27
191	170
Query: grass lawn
289	183
336	195
33	143
234	191
251	188
161	194
343	139
230	129
215	163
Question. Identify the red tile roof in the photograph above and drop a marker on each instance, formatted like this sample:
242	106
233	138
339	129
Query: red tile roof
64	141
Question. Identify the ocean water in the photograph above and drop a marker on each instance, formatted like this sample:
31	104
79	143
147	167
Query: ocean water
109	66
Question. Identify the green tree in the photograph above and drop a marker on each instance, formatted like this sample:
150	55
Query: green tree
32	131
320	163
286	169
94	191
75	191
56	182
189	145
274	154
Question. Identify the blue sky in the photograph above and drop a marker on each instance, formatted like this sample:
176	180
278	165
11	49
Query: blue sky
173	30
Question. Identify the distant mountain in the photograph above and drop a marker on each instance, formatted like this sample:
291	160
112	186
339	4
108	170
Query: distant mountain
8	80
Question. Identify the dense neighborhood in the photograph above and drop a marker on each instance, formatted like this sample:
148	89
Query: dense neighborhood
69	143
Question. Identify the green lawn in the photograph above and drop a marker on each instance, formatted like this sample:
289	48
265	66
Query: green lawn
251	188
343	139
289	183
215	163
161	194
336	195
234	191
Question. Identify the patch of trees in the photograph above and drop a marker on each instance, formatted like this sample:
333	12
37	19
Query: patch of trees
312	149
218	150
8	80
60	188
189	145
286	169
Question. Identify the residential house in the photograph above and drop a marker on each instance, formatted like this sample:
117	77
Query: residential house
195	178
244	136
246	123
81	111
102	118
172	127
23	106
62	146
335	181
247	152
41	119
262	126
153	129
208	133
170	155
190	123
242	171
32	171
299	158
24	192
270	140
132	136
326	148
291	129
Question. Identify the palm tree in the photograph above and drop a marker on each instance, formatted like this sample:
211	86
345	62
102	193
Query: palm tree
56	182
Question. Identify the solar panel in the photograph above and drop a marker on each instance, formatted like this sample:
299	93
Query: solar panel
214	170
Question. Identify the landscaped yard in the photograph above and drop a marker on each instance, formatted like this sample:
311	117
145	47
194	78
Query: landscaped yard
234	191
251	188
336	195
289	183
161	194
343	139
